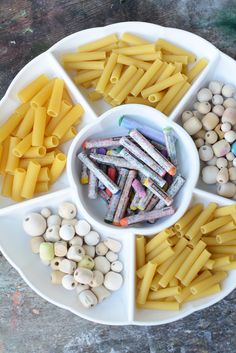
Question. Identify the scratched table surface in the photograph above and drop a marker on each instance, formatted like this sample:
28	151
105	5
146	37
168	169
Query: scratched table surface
29	324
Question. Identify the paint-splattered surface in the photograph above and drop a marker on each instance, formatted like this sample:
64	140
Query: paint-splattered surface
28	324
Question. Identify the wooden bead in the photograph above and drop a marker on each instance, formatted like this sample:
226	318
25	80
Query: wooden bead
60	248
56	277
35	244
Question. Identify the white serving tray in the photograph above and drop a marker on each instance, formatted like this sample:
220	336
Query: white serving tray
118	309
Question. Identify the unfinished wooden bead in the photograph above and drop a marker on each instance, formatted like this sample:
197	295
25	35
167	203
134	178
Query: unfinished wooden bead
60	248
56	277
234	162
217	99
229	116
232	173
35	244
55	263
222	176
83	275
228	90
101	293
88	299
111	256
230	136
92	238
113	281
45	212
102	264
69	221
76	241
82	228
204	107
68	282
67	232
215	87
192	125
116	266
86	262
195	105
54	220
209	174
89	250
52	234
200	134
204	95
205	153
97	280
210	121
197	114
229	102
230	156
225	127
34	224
101	249
75	253
186	115
81	287
46	251
218	110
221	162
67	210
211	137
67	266
221	148
199	142
226	190
113	245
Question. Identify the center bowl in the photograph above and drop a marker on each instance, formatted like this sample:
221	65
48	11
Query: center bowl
107	126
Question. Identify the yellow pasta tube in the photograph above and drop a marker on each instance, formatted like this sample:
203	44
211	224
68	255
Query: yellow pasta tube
172	91
87	76
56	98
18	181
149	57
142	83
41	186
30	180
39	126
132	39
229	267
193	242
106	74
170	47
99	43
196	69
146	283
136	50
67	121
35	152
156	97
57	167
159	73
196	267
189	216
226	237
94	96
50	141
225	211
1	152
212	290
159	305
155	282
70	134
140	251
33	88
127	88
158	239
9	126
178	248
26	124
138	100
164	293
127	60
125	78
223	229
167	72
206	283
22	109
85	65
12	160
190	260
86	56
65	108
165	244
209	265
46	160
221	261
178	67
177	98
5	150
166	83
42	96
116	73
201	220
7	185
43	174
216	223
174	282
175	58
20	149
209	240
170	273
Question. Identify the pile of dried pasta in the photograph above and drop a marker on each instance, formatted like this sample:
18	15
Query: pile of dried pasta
30	160
133	70
187	261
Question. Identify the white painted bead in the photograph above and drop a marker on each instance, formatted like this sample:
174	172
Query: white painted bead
230	136
209	174
205	153
86	262
101	249
192	125
89	250
76	241
81	287
35	244
215	87
211	137
101	293
226	190
229	102
67	232
60	248
88	299
222	176
55	263
54	220
225	127
204	95
230	156
218	110
232	173
221	162
221	148
56	277
116	266
67	266
199	142
229	116
83	275
67	210
92	238
111	256
82	227
210	121
69	221
34	224
234	162
75	253
102	264
45	212
228	90
68	282
113	281
46	252
217	99
52	234
97	280
113	245
204	107
186	115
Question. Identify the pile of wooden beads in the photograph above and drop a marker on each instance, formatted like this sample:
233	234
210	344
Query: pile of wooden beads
145	161
79	259
212	125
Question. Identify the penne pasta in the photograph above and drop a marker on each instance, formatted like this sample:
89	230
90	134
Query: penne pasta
146	283
56	98
30	180
33	88
7	185
140	251
18	182
99	43
57	167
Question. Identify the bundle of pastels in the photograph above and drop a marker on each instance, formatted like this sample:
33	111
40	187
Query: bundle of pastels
134	70
136	175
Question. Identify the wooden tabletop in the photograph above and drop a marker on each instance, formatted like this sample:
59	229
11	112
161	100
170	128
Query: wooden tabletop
29	324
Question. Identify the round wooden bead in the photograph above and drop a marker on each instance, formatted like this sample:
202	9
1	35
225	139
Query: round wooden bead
210	121
86	262
81	287
215	87
218	110
60	248
209	174
67	266
45	212
186	115
101	249
56	277
229	102
34	224
116	266
204	95
197	114
75	253
102	264
113	281
69	221
111	256
205	153
221	148
67	232
199	142
52	234
68	282
35	244
222	176
217	99
46	251
92	238
226	190
56	262
54	220
82	228
230	156
230	136
97	280
225	127
221	162
88	299
76	241
211	137
204	107
113	245
67	210
101	293
83	275
229	116
232	174
89	250
192	125
228	90
200	134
